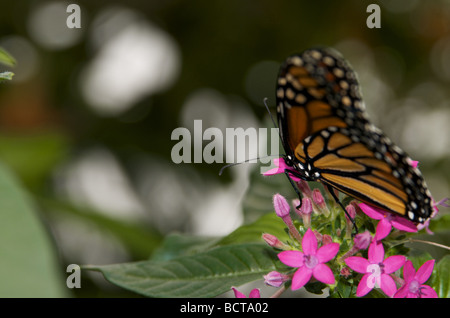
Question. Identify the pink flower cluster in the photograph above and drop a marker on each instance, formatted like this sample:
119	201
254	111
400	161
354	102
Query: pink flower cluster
310	262
377	270
316	252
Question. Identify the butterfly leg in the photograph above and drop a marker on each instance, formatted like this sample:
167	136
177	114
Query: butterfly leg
331	190
295	188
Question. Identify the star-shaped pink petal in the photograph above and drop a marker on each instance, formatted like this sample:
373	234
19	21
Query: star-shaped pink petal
281	166
387	221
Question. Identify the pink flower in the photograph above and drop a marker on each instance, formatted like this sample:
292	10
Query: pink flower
413	163
442	202
376	270
413	287
281	167
426	224
253	294
387	221
310	262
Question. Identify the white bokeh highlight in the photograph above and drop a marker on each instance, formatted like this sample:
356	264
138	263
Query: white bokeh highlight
132	61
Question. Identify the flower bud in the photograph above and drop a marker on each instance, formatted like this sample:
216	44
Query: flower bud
345	272
320	202
275	279
318	198
362	240
295	204
323	238
351	212
326	239
306	206
273	241
282	210
304	187
281	205
306	211
318	236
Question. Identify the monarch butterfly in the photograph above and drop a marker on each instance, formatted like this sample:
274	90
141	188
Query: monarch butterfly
327	137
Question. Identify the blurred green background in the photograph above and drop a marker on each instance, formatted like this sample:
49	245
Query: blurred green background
86	122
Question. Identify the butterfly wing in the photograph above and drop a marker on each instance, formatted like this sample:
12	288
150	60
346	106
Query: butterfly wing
303	95
325	128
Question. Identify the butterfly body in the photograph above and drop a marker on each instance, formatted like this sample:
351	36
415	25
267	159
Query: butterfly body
328	137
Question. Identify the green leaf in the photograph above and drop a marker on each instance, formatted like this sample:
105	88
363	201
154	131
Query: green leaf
6	58
205	274
442	283
344	288
28	262
375	293
269	223
315	288
6	75
176	245
418	257
440	223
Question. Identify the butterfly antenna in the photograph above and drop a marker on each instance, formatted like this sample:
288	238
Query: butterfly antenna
227	166
268	110
273	121
238	163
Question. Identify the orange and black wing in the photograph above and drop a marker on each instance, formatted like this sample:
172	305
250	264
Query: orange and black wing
325	129
307	96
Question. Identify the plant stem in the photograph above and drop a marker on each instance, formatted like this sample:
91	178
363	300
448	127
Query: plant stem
292	229
431	243
397	279
279	292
